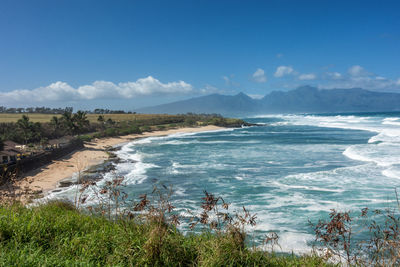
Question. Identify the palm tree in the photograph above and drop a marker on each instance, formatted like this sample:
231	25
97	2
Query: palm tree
101	121
56	124
68	122
80	121
26	127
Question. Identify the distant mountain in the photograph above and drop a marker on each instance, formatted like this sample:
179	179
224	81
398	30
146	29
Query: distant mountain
215	103
311	99
302	99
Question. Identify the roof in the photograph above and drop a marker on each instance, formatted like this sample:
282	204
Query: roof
10	144
9	147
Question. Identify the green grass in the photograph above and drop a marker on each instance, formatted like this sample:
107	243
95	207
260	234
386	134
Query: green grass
56	234
34	117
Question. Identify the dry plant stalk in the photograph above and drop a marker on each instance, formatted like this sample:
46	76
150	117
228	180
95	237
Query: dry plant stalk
335	238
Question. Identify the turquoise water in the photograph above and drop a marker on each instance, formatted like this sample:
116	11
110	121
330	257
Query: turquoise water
289	170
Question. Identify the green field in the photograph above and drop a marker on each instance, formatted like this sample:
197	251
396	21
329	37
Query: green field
38	117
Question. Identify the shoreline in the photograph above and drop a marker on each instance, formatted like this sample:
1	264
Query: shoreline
41	181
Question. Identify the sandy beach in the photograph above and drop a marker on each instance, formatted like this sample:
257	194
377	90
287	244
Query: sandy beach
47	177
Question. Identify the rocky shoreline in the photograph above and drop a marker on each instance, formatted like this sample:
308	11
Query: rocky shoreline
94	173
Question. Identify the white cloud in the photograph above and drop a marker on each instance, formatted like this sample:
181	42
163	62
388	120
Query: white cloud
256	96
259	76
279	55
357	71
229	81
333	75
226	79
209	89
398	82
307	77
61	91
283	70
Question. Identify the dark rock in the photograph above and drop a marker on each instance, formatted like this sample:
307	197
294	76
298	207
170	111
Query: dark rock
39	191
65	183
90	177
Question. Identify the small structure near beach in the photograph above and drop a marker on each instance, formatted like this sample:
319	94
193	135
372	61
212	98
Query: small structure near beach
7	156
11	152
60	142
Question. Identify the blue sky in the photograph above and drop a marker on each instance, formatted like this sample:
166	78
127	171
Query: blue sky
129	54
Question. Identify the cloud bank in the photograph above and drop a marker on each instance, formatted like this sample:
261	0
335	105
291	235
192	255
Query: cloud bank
62	91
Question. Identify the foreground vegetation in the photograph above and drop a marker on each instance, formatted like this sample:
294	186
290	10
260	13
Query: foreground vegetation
108	228
57	234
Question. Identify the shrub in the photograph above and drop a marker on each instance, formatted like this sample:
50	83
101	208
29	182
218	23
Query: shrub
134	129
111	132
189	121
85	138
173	125
145	128
97	135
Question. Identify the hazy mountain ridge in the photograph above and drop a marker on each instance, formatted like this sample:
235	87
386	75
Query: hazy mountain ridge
302	99
214	103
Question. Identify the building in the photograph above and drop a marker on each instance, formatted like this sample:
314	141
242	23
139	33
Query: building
8	156
12	152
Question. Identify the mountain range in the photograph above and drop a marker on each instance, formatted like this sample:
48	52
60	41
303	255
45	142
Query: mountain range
305	99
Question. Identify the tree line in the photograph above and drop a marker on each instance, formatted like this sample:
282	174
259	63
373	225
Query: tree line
25	131
42	110
46	110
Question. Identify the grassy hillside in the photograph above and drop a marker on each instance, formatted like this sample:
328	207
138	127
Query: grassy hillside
56	234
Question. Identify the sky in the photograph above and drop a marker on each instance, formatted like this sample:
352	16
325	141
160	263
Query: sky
131	54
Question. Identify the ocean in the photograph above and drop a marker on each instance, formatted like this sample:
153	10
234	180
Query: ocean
290	170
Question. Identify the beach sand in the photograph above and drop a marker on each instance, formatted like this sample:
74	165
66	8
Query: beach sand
47	177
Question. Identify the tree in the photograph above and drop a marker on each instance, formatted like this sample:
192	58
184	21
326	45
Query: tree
102	122
25	126
68	122
81	121
1	144
30	131
100	119
110	122
55	124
